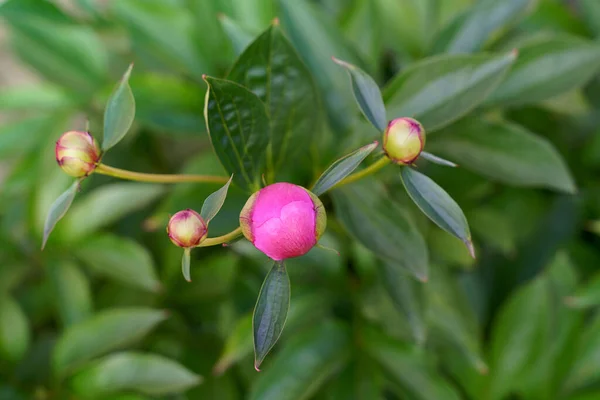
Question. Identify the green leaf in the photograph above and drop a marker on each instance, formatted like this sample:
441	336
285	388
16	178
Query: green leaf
238	126
437	160
59	209
408	368
149	374
273	71
590	12
316	354
341	168
470	31
119	112
584	371
15	332
36	97
439	90
71	291
382	226
547	68
238	345
121	259
21	137
505	152
437	205
270	312
367	95
214	202
185	264
106	205
239	36
587	295
107	331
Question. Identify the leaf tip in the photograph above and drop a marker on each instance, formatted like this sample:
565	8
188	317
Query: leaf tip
256	365
514	53
127	73
275	21
470	247
220	16
423	278
482	367
204	78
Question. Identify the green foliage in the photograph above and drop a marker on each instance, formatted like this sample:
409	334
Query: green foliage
508	93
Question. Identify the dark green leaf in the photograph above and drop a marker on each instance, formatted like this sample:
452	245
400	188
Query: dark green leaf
341	168
71	291
272	70
121	259
15	332
239	36
214	202
440	90
185	264
238	126
316	355
505	152
470	31
437	160
106	331
149	374
59	209
546	68
271	311
437	205
382	226
119	112
367	95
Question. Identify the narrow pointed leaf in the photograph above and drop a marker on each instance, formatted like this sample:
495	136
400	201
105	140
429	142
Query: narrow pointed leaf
341	169
437	160
238	127
437	205
367	95
185	265
382	226
214	202
149	374
439	90
119	112
239	36
58	210
119	327
270	312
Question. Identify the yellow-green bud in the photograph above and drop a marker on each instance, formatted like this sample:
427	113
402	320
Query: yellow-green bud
77	153
403	140
187	229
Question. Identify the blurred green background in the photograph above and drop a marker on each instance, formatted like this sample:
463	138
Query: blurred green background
103	312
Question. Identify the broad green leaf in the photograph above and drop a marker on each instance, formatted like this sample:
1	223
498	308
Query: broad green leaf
270	312
585	369
517	337
439	90
408	368
107	205
214	202
59	209
367	95
341	168
303	22
106	331
36	97
238	127
185	264
437	160
149	374
316	354
121	259
239	36
548	67
382	226
15	332
470	31
273	71
505	152
437	205
119	112
71	291
590	11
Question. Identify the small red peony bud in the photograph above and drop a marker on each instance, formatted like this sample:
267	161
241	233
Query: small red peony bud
187	229
403	140
283	220
77	153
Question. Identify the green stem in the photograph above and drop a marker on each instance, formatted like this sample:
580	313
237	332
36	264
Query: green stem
371	169
221	239
156	178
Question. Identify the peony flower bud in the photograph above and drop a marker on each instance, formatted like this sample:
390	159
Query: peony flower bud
403	140
283	220
77	153
187	229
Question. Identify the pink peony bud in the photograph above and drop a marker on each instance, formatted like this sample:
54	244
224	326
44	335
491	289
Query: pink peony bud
187	229
283	220
77	153
403	140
